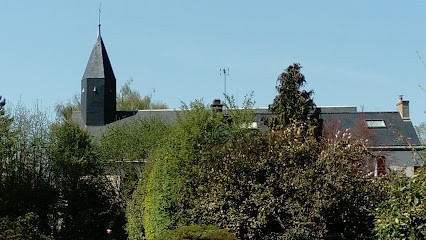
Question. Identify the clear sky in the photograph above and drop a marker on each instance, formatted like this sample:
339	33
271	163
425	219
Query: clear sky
360	53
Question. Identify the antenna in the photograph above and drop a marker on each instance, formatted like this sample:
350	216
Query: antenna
225	73
100	10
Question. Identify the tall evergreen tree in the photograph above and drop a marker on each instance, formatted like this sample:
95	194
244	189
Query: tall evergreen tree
292	103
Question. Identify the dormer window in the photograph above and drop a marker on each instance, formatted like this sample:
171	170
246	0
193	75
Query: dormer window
94	89
376	124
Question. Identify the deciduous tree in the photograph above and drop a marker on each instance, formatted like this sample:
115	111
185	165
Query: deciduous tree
88	203
402	212
129	99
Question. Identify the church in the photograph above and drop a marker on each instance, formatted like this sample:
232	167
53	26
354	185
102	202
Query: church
391	134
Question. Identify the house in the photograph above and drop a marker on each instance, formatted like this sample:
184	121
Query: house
391	135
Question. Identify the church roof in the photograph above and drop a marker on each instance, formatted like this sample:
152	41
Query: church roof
98	65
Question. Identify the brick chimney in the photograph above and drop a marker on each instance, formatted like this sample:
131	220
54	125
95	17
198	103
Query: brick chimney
403	108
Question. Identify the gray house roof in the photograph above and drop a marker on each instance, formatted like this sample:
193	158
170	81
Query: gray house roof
387	129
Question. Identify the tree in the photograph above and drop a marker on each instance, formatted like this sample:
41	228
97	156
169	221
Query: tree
64	110
88	203
285	183
292	103
163	198
24	228
25	182
402	212
126	146
129	99
7	136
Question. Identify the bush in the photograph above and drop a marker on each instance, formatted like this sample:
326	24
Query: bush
133	141
402	212
23	228
88	203
163	195
166	172
198	232
285	184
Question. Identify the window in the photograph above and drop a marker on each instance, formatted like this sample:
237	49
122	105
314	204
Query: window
381	165
416	167
376	124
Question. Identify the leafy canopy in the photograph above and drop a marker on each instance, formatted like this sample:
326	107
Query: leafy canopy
402	212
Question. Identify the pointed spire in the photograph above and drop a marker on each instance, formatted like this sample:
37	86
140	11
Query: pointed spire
98	65
98	98
98	106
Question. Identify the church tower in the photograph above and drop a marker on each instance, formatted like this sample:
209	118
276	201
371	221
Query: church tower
98	87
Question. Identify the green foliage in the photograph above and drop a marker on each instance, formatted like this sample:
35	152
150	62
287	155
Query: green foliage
129	99
293	104
168	172
283	183
6	133
88	202
72	153
25	181
198	232
133	140
87	208
64	110
402	213
125	147
52	182
286	184
160	200
23	228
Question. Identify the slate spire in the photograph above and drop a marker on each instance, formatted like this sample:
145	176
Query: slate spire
98	87
98	65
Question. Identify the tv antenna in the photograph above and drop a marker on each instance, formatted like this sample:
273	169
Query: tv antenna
225	73
99	15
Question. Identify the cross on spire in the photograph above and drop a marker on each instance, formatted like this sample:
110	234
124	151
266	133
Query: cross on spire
99	19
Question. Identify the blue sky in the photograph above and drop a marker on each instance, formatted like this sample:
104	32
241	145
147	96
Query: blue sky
360	53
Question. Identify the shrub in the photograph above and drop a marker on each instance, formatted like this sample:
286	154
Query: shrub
23	228
402	212
164	192
133	141
198	232
286	184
